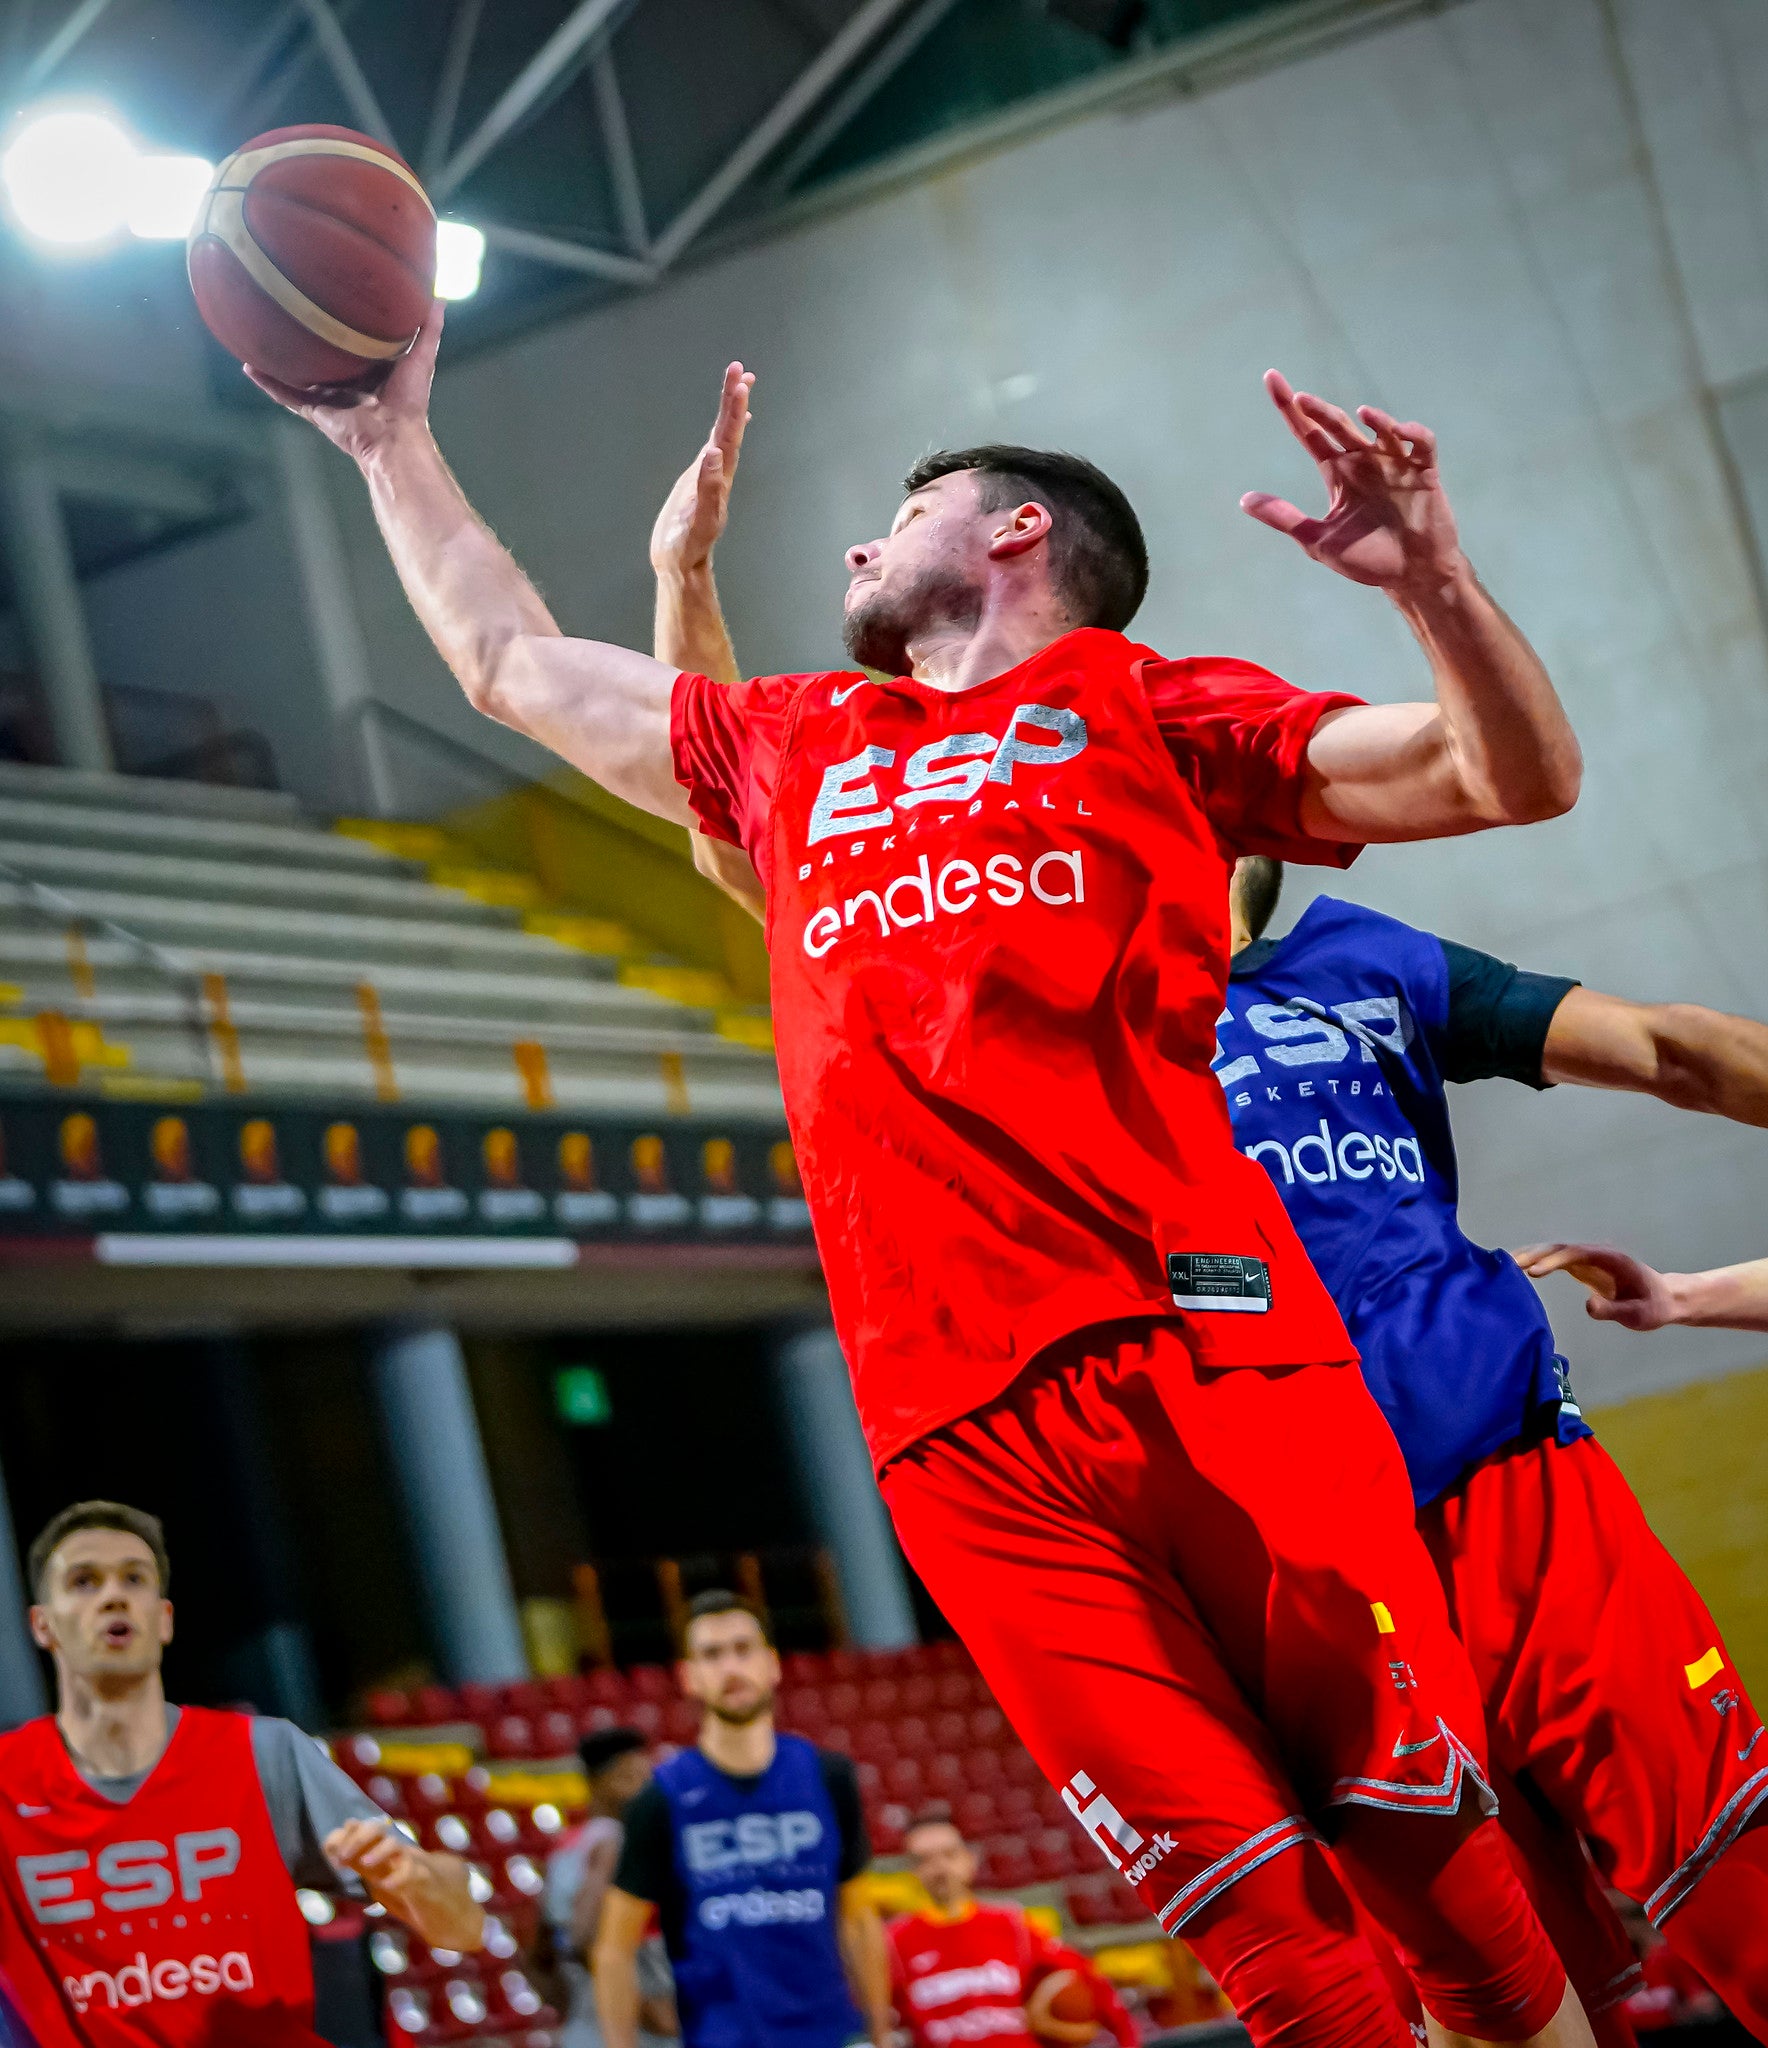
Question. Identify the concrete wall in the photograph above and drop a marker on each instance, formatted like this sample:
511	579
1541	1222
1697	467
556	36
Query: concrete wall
1542	225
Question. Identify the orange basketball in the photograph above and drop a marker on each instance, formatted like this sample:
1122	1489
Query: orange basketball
1066	1996
313	256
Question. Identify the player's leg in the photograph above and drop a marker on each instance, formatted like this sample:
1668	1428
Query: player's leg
1102	1668
1287	1514
1608	1683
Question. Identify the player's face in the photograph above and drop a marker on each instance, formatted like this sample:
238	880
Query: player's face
928	572
944	1862
102	1613
730	1668
621	1783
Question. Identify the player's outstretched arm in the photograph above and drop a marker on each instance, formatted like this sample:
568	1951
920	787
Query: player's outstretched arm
603	708
690	631
1496	747
1625	1290
426	1888
1685	1055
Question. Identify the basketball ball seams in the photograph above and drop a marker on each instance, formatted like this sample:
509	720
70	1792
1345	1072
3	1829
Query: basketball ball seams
225	222
297	202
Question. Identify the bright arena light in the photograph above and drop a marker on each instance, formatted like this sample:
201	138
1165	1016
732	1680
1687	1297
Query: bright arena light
165	193
68	173
460	256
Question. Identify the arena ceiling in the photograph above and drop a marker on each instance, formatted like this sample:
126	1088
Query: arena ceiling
597	143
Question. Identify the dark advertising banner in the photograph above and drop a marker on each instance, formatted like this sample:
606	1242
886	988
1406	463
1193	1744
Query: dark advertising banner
84	1166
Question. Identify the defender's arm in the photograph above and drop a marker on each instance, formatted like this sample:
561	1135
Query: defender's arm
1685	1055
615	1964
1627	1291
603	708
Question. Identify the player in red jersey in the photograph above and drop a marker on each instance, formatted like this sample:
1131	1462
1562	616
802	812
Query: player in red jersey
963	1971
148	1853
1108	1395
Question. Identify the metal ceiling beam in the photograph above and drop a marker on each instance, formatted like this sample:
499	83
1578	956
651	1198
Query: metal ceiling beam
859	91
629	191
565	255
455	59
799	97
561	49
334	46
85	16
140	481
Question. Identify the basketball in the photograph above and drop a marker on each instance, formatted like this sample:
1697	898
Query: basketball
1066	1997
313	256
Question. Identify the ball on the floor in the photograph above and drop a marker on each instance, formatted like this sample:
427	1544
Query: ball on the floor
1067	1997
313	257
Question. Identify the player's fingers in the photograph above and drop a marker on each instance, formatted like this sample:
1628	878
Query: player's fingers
1385	428
1538	1260
1281	516
1314	438
1334	420
429	335
1422	441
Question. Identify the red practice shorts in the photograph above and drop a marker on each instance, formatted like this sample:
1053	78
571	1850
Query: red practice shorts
1605	1679
1201	1599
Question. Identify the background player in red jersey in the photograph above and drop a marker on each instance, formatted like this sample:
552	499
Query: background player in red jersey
1092	1361
963	1971
151	1852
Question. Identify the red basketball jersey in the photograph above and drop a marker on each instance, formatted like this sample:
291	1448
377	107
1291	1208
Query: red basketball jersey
959	1981
998	923
170	1919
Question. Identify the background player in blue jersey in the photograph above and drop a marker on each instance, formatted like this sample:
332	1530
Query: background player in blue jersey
748	1847
1609	1693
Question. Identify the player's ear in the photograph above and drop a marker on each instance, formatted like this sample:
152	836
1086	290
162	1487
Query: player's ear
1020	531
165	1622
41	1633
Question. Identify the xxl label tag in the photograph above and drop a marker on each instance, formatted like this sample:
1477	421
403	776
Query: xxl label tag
1219	1280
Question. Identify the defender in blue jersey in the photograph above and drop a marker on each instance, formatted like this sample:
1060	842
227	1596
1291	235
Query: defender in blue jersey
1609	1693
746	1848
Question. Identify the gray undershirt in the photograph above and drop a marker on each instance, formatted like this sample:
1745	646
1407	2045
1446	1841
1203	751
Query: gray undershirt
306	1793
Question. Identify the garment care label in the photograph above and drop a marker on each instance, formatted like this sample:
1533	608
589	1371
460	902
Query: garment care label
1219	1280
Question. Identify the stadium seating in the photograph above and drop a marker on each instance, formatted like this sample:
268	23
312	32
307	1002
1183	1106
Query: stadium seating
118	895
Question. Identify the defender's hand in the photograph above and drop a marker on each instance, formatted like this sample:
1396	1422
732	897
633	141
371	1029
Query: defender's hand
1623	1289
693	516
1387	521
358	420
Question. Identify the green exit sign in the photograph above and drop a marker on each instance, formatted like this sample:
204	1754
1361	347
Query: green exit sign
580	1393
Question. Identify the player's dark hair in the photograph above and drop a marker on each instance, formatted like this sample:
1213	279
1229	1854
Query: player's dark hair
97	1514
1098	558
606	1746
1256	887
721	1600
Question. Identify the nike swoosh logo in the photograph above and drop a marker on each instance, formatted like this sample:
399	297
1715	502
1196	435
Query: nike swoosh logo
1743	1755
31	1812
1413	1748
841	696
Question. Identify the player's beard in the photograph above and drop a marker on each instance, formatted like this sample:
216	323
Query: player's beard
741	1716
877	631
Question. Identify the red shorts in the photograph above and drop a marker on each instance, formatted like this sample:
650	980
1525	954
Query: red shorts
1605	1678
1199	1596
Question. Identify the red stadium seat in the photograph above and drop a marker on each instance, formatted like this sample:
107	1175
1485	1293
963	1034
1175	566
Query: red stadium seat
951	1731
875	1741
647	1717
433	1705
479	1702
510	1735
594	1719
914	1737
450	1831
360	1755
606	1688
989	1725
1007	1864
386	1792
472	1790
1018	1806
836	1736
1019	1767
802	1708
429	1793
1053	1854
948	1656
920	1694
652	1682
681	1721
881	1698
1049	1804
387	1707
886	1830
870	1779
842	1700
905	1780
571	1693
556	1733
945	1776
1085	1903
918	1657
802	1667
524	1696
976	1814
982	1768
954	1692
846	1664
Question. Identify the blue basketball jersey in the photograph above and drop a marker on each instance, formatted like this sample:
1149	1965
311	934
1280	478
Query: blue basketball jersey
759	1864
1330	1053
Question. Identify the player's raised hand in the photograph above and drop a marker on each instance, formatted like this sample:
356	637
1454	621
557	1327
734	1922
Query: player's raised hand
1623	1289
357	418
1387	521
693	516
